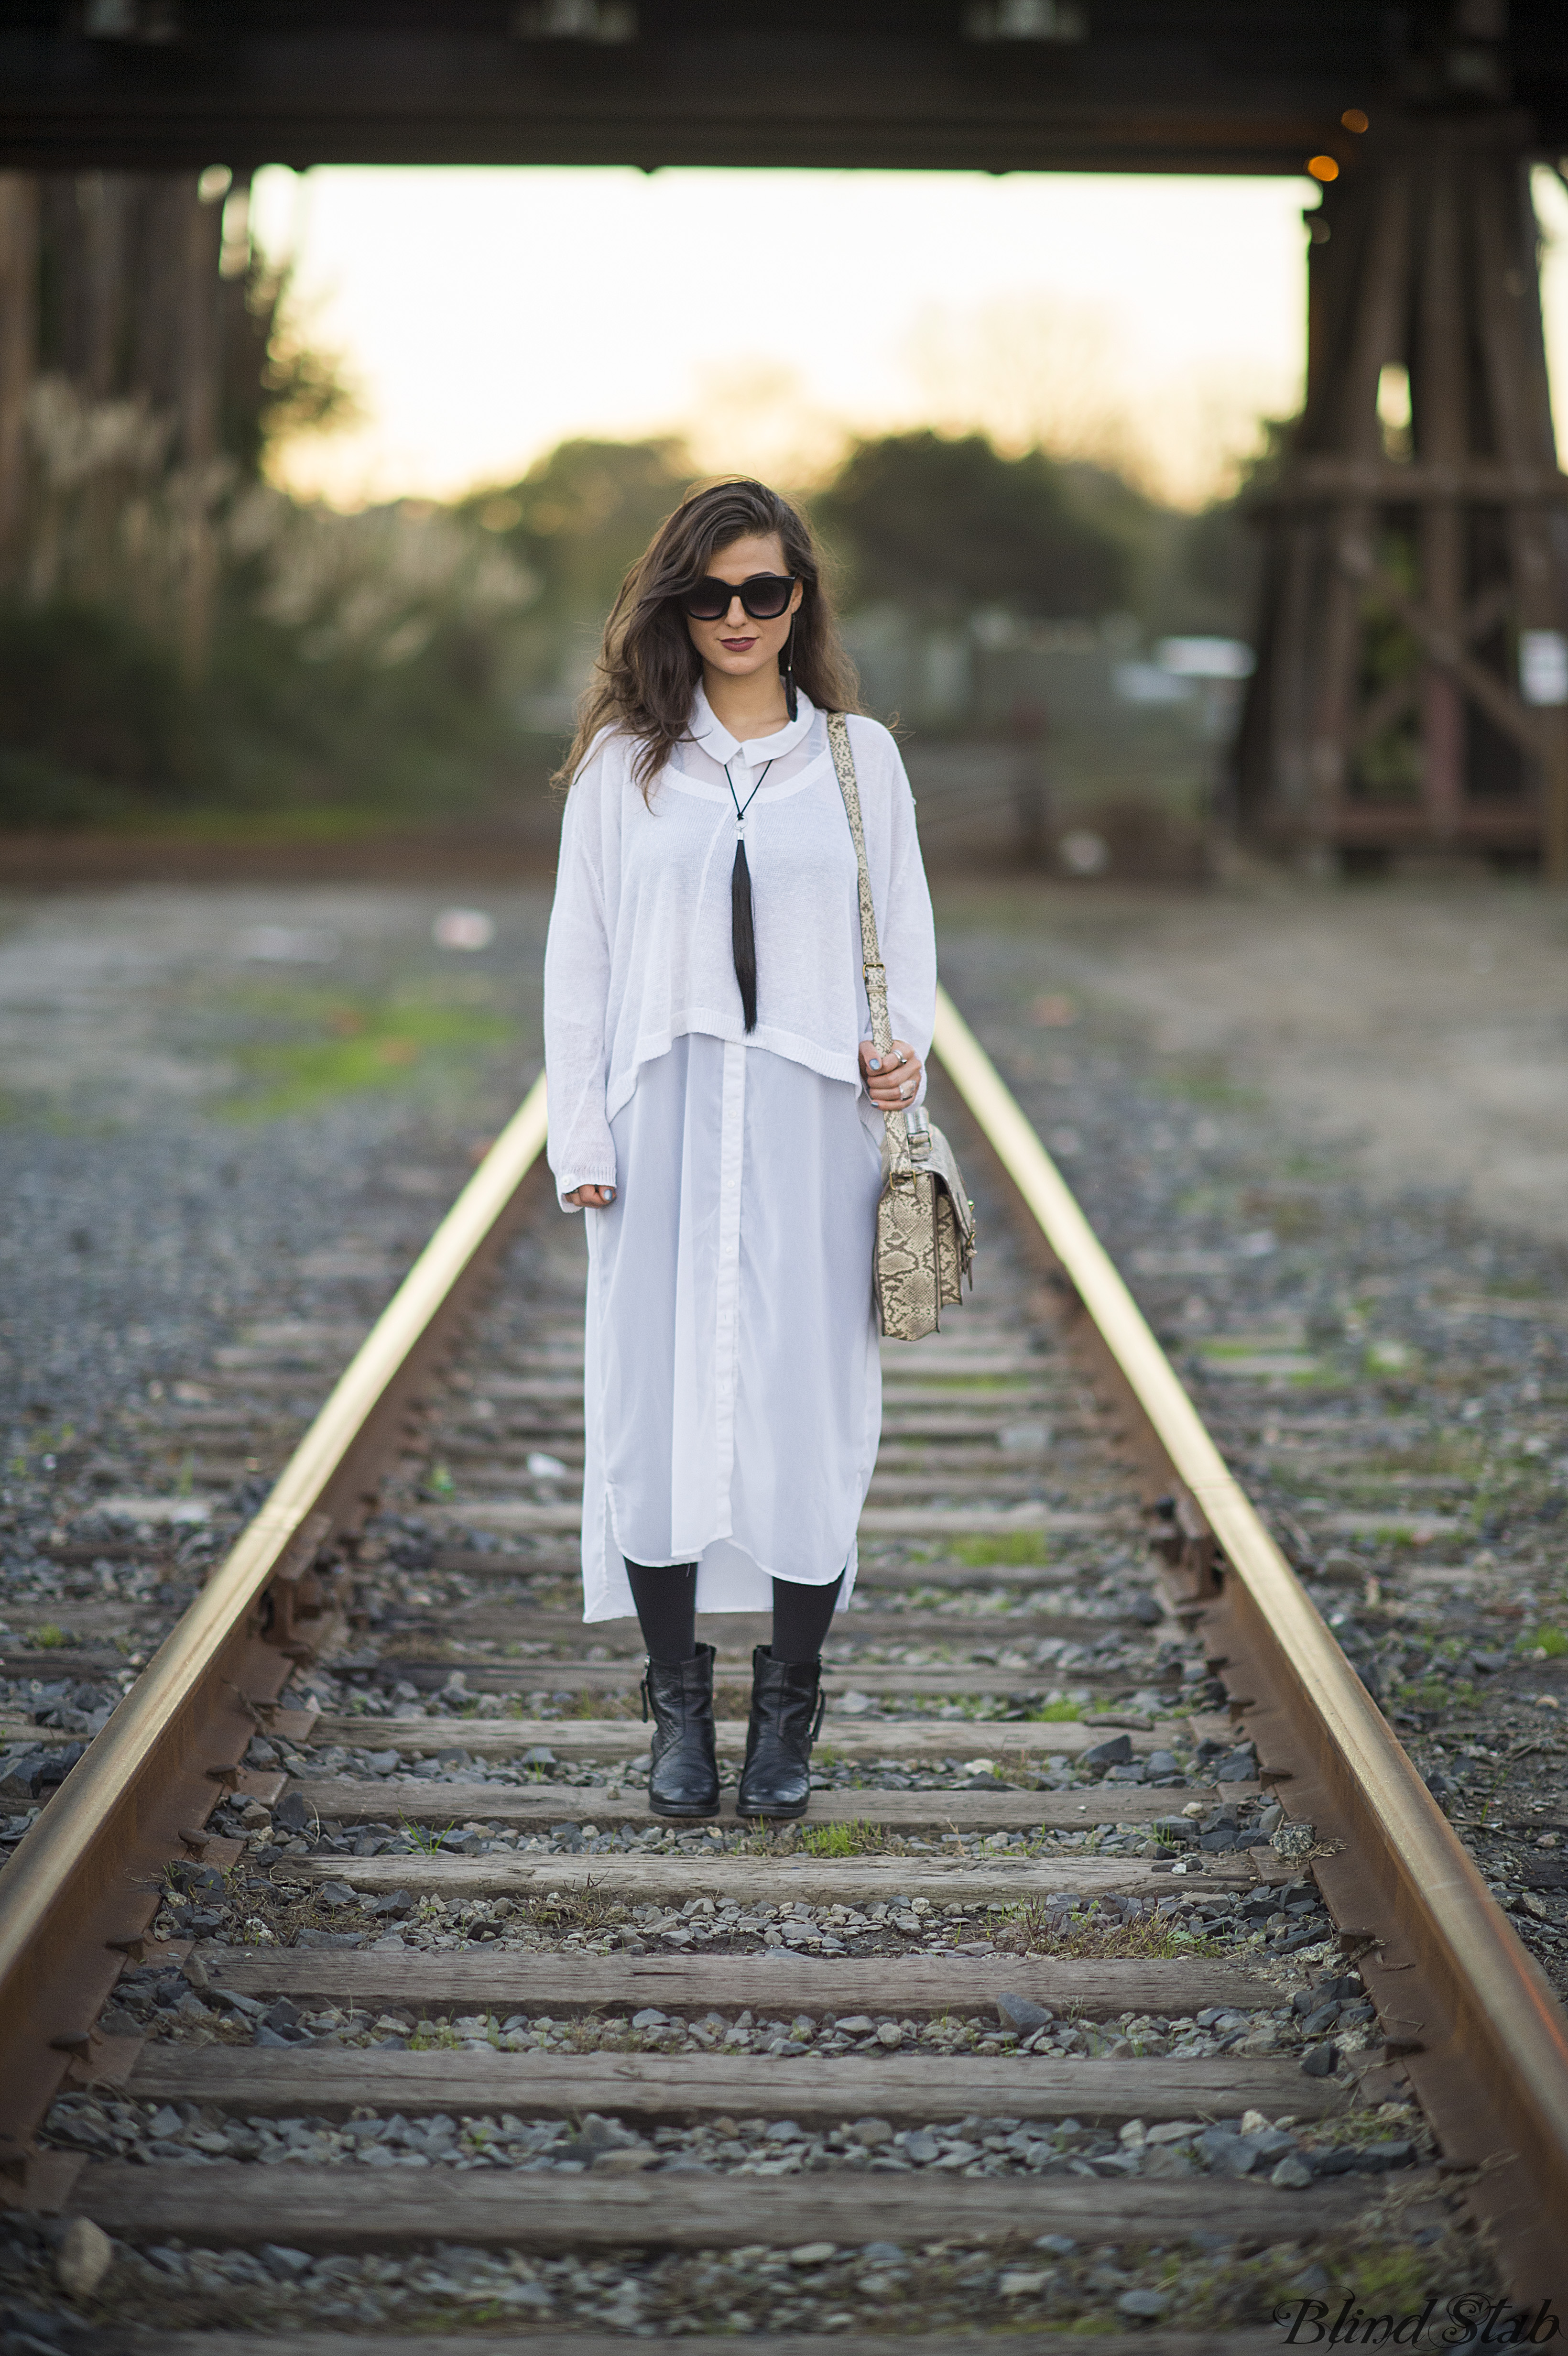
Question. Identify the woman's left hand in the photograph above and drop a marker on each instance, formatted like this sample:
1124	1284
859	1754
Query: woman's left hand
893	1081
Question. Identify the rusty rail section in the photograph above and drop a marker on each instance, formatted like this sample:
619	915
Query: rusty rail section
1479	2033
84	1883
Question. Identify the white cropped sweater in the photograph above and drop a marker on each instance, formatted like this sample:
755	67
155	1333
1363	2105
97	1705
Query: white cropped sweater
640	952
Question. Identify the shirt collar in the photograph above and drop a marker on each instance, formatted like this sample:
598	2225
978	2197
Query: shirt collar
719	745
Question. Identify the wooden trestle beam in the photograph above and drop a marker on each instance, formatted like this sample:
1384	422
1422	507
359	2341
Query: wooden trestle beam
1411	688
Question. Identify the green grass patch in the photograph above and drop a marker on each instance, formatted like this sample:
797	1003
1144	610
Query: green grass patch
590	1704
1458	1455
1397	2280
1019	1546
49	1636
855	1839
437	2037
426	1838
1053	1713
1553	1642
592	1910
851	1837
345	1047
1102	1936
1207	1203
1205	1083
1434	1696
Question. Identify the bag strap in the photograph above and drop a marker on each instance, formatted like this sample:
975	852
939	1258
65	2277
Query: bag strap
871	952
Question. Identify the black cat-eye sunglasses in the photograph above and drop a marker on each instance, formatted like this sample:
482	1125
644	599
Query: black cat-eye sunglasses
764	596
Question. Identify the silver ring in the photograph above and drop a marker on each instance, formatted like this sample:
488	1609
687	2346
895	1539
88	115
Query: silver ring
904	1086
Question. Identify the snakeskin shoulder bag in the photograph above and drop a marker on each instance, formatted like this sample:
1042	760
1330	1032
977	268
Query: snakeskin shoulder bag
925	1221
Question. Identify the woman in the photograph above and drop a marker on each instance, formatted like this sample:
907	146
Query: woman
715	1108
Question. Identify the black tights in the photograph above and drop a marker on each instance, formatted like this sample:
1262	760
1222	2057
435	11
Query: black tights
666	1598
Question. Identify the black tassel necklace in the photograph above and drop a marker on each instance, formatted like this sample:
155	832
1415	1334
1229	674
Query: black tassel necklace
742	930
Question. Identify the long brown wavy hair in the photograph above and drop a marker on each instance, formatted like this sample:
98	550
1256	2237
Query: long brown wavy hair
647	671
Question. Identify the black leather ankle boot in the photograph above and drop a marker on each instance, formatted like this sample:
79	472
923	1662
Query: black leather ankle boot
685	1777
787	1702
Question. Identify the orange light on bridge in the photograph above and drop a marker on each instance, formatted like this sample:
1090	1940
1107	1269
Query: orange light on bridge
1323	167
1354	120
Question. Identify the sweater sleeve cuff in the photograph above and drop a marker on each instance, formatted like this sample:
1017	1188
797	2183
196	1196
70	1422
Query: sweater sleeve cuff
569	1181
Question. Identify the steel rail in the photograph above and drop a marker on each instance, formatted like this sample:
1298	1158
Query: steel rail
80	1874
1488	2055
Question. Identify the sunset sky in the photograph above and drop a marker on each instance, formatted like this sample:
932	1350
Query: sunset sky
485	315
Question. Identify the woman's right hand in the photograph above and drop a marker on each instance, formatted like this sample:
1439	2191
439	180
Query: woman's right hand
591	1198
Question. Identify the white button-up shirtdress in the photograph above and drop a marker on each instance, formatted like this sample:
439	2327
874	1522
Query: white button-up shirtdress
732	1390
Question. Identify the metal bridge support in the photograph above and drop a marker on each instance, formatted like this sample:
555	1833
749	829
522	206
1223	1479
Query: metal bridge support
1411	688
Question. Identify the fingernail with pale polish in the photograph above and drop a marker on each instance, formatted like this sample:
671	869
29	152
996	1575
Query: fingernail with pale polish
875	1065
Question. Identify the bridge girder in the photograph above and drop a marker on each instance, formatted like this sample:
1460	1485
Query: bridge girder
1252	86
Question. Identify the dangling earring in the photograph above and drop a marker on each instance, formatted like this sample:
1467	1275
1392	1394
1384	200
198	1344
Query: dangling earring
786	664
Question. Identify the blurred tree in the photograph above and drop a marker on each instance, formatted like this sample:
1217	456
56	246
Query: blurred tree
98	719
576	522
944	526
276	383
583	514
1221	555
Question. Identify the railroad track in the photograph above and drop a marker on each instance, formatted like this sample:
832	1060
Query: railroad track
1123	1960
